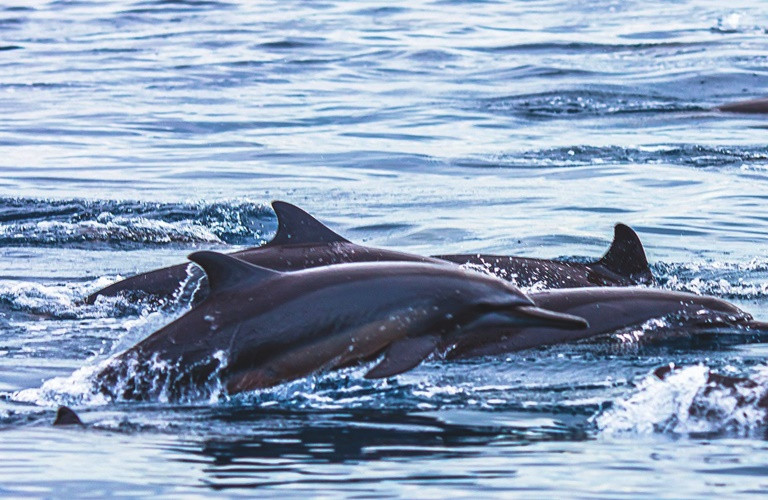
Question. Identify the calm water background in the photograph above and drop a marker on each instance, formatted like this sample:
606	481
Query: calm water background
134	132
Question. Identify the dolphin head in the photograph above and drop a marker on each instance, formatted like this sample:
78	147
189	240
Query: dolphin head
507	306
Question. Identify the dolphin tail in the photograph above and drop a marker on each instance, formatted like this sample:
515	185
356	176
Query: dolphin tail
67	416
626	256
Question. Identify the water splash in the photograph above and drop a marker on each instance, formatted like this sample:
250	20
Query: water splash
690	401
746	280
64	300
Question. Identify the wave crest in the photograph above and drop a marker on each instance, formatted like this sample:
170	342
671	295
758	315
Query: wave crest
128	224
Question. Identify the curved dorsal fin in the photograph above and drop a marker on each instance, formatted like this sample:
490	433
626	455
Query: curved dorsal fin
297	227
66	416
224	271
626	256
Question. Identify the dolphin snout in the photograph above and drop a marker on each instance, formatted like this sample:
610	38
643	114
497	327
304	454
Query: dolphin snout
544	317
526	316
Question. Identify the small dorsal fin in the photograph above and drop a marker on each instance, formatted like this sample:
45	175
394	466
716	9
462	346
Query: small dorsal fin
224	271
297	227
67	416
626	256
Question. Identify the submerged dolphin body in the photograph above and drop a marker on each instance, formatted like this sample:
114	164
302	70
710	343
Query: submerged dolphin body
609	310
623	264
752	106
301	242
260	327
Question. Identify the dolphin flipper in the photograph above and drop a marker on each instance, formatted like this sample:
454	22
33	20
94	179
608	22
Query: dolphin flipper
403	355
67	416
626	256
297	227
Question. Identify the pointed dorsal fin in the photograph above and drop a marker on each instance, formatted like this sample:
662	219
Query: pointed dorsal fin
626	256
66	416
224	271
297	227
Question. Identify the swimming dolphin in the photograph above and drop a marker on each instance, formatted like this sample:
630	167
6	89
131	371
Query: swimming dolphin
259	327
301	242
623	264
752	106
610	310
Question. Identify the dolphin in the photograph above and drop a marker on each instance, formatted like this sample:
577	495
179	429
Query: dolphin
301	242
260	327
609	310
623	264
752	106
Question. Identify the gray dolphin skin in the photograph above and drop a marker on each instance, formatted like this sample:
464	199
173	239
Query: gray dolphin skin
623	264
301	242
752	106
609	310
259	327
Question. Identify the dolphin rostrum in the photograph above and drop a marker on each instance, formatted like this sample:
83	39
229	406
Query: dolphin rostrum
611	310
259	327
623	264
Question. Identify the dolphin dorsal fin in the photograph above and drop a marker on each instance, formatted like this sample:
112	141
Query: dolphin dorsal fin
66	416
224	271
297	227
626	256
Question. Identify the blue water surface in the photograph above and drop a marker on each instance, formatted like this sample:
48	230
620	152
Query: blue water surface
133	133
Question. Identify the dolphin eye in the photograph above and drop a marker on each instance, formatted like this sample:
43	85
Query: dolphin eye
488	306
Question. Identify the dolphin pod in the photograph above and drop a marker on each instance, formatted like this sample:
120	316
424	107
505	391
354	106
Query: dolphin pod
303	242
260	327
310	300
609	310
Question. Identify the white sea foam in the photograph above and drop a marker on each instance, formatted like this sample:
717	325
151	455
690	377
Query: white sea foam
688	401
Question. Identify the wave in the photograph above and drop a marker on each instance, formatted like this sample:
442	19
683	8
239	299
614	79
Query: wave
742	281
77	223
28	300
558	104
691	155
692	400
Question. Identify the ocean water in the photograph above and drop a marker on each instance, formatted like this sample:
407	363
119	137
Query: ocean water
133	133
